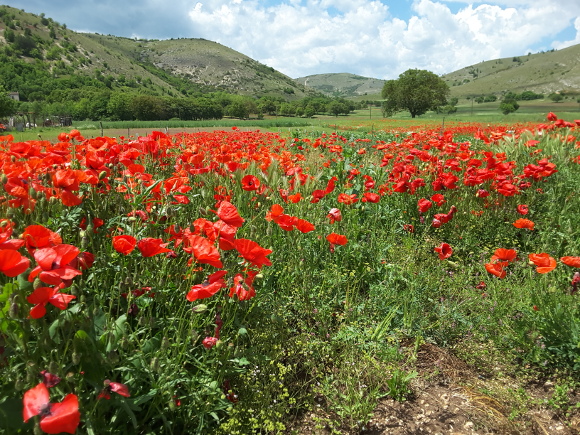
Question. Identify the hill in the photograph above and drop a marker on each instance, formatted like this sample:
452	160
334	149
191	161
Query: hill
343	85
544	73
172	67
555	71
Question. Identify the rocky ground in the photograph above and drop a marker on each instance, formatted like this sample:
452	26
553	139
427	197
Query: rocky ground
450	398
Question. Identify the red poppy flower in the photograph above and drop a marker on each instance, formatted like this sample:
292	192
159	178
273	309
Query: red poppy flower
524	223
497	269
571	261
150	246
294	199
334	215
209	342
347	199
438	199
49	379
544	263
371	197
423	205
54	265
12	263
304	226
226	233
551	116
114	387
444	250
522	209
250	183
38	236
54	417
243	287
44	295
207	289
228	213
252	252
124	244
203	251
337	239
503	254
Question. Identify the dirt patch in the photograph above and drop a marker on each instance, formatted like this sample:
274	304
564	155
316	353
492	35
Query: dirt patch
451	398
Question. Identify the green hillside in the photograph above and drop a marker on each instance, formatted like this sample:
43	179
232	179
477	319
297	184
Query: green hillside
173	67
343	85
543	73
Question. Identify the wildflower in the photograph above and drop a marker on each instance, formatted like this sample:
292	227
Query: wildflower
207	289
497	269
209	342
544	263
423	205
252	252
503	254
150	247
114	387
524	224
228	213
250	183
334	215
44	295
347	199
522	209
571	261
55	265
54	417
444	250
203	251
12	263
124	244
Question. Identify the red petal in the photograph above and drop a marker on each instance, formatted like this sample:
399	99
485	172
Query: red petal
34	400
45	257
64	416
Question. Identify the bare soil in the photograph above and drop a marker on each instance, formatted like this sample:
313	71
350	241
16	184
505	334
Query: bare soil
452	398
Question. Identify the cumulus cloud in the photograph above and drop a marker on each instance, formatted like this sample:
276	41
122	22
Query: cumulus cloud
368	37
362	36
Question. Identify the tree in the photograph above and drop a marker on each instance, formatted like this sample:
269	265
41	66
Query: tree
416	91
7	104
508	105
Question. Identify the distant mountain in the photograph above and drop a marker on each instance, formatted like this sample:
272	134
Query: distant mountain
176	66
343	85
543	73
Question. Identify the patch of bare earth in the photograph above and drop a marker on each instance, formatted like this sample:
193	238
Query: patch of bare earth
449	398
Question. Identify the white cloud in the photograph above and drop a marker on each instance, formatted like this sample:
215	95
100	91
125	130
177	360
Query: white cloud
361	36
563	44
367	37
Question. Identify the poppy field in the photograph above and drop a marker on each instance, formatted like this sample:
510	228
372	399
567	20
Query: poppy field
231	281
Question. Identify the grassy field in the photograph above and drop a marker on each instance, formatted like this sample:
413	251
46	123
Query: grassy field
365	120
236	281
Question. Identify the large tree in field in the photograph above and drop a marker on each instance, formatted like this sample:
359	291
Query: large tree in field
416	91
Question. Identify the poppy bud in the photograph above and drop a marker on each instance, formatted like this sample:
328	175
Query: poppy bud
154	364
164	343
53	367
19	385
102	175
76	358
13	312
199	308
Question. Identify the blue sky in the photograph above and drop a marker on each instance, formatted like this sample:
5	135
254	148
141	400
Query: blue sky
371	38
